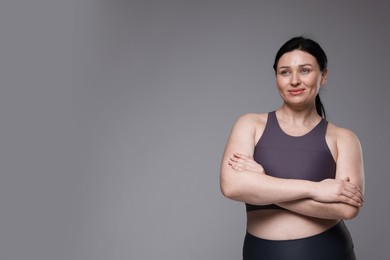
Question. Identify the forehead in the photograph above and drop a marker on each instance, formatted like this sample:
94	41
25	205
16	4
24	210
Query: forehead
296	58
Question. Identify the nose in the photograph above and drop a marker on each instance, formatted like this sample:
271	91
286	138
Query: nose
295	80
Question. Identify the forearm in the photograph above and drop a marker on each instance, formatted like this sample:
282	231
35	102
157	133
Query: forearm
261	189
312	208
254	186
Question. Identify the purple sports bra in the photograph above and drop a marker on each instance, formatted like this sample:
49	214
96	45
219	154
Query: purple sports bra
304	157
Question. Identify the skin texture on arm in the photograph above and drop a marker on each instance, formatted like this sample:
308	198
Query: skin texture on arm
242	179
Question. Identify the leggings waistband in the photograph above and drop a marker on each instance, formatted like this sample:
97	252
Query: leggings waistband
334	243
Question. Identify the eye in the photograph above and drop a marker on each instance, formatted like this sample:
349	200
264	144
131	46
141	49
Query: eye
305	70
284	72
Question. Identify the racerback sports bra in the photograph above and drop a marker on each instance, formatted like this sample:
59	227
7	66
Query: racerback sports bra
305	157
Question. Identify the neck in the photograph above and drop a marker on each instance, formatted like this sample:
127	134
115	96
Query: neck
298	116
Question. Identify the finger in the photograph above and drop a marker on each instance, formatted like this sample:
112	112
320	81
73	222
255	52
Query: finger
235	166
238	155
246	160
352	187
353	196
351	202
245	163
237	160
357	192
242	156
232	159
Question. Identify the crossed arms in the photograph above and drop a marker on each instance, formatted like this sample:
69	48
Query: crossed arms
243	179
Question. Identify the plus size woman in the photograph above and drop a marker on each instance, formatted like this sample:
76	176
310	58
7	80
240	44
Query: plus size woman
299	175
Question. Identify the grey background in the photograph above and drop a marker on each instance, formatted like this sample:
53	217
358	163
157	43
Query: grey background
114	116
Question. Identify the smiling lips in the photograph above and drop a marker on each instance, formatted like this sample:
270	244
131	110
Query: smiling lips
296	92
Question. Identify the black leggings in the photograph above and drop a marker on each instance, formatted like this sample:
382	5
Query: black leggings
333	244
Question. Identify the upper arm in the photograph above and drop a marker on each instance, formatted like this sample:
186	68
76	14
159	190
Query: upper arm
242	136
349	158
241	140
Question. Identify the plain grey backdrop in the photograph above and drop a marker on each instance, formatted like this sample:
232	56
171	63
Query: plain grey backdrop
114	116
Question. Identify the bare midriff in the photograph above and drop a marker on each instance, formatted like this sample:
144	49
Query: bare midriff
276	224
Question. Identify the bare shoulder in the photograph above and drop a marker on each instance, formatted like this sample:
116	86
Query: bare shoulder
341	133
254	121
343	137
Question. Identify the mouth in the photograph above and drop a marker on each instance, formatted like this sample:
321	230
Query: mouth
296	92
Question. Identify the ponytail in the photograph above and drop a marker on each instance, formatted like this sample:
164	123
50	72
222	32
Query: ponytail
320	107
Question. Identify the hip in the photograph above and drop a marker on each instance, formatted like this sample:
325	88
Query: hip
335	243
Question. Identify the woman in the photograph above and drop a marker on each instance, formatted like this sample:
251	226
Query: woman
299	175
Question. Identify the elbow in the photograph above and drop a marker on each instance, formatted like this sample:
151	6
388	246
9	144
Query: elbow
229	190
350	213
228	185
233	186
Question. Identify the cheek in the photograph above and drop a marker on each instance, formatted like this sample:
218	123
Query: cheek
312	80
316	79
318	82
280	82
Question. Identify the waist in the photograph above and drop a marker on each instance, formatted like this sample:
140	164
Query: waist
276	224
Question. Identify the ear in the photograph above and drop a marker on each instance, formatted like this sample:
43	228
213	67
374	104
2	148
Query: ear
324	77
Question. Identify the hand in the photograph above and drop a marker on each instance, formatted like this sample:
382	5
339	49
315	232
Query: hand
331	190
240	162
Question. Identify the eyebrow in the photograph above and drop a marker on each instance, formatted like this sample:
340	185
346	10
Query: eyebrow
302	65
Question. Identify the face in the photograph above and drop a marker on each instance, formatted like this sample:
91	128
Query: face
298	78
